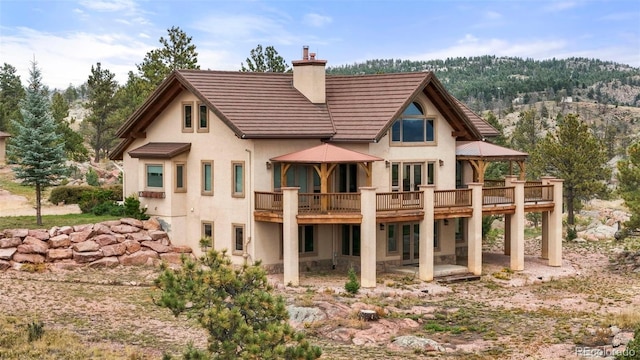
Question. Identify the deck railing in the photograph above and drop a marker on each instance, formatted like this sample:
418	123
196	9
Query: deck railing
329	202
393	201
537	193
269	201
498	195
493	183
452	198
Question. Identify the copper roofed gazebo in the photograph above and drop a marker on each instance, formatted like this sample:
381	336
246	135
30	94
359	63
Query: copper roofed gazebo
479	153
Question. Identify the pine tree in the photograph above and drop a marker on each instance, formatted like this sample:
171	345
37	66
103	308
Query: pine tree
11	92
629	184
265	61
236	307
102	89
36	146
73	141
574	154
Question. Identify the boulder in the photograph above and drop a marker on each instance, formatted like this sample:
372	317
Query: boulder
151	224
66	264
87	257
81	236
114	250
416	342
101	229
171	258
53	231
133	222
132	246
157	235
139	236
120	238
83	227
181	249
32	249
111	223
111	261
59	241
4	265
305	315
29	240
156	246
10	242
65	230
7	253
138	258
124	229
39	234
20	233
59	254
105	239
28	258
86	246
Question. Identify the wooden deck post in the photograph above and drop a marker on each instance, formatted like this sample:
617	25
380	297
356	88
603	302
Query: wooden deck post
474	230
290	235
425	267
517	228
545	224
368	237
555	225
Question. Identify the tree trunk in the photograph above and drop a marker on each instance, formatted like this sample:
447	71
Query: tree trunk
38	206
570	197
98	143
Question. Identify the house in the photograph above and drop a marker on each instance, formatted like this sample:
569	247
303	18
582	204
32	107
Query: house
3	146
305	171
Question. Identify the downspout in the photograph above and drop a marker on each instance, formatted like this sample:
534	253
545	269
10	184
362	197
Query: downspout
123	180
249	175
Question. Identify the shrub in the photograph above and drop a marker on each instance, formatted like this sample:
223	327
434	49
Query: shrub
572	233
632	352
91	199
132	208
92	178
35	330
352	285
68	194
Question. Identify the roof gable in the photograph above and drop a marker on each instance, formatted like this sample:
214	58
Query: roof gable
325	153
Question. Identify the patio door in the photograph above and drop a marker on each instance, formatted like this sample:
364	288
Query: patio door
410	243
411	176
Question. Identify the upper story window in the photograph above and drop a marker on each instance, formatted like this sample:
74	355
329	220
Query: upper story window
413	127
180	177
238	178
203	118
187	117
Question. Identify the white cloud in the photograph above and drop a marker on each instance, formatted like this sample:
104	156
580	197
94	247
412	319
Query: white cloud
109	6
144	36
560	6
247	28
492	15
317	20
67	58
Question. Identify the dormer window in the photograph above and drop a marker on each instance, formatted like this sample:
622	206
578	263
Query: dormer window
413	127
187	117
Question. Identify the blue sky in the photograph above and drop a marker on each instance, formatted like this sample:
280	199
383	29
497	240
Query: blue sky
67	37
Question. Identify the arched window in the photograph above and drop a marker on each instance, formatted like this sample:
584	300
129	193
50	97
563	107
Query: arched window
413	126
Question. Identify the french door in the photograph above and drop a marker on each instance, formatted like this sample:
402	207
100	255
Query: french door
410	243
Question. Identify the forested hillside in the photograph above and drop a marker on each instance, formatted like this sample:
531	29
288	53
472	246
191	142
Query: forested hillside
490	82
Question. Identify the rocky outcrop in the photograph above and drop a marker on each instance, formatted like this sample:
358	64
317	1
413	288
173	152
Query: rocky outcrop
107	244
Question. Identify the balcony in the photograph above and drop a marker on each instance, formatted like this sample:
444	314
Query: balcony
402	206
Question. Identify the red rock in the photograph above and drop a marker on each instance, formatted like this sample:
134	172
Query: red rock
157	234
10	242
77	237
132	246
65	230
83	227
32	249
105	239
131	221
181	249
172	258
114	250
21	233
86	257
59	254
105	262
138	258
58	241
7	253
66	264
53	231
165	241
102	229
111	223
30	258
34	241
4	265
124	229
139	236
39	234
151	224
86	246
120	238
156	246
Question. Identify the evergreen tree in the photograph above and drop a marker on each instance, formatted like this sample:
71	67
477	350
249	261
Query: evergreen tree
11	93
236	307
36	146
101	88
527	131
177	52
73	142
264	61
629	184
574	154
496	169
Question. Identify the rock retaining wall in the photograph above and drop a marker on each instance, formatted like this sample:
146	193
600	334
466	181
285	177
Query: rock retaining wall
106	244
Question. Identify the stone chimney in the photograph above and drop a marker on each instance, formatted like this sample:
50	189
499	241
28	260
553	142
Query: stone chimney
309	76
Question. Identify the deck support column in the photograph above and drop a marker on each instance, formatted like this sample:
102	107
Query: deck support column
425	268
368	237
517	227
290	235
474	230
555	225
545	224
508	179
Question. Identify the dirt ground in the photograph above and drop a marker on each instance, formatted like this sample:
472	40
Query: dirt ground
540	313
15	205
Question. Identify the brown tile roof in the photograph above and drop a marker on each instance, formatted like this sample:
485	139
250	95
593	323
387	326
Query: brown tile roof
159	150
481	124
487	150
325	153
261	105
4	135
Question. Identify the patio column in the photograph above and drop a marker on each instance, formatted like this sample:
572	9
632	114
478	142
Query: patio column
508	181
555	225
368	237
290	235
474	230
517	227
425	268
545	224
